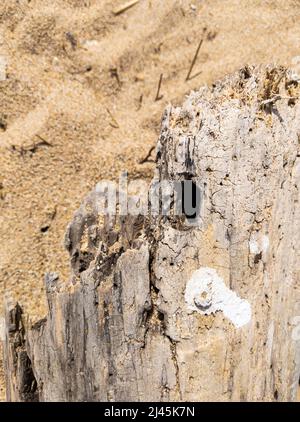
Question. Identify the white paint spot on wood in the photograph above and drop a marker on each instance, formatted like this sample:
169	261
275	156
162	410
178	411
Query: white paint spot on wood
207	293
253	246
258	243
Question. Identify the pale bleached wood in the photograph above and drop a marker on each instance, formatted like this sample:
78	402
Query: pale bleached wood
120	329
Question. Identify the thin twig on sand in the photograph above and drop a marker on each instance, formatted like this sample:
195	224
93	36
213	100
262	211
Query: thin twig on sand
146	159
125	7
114	122
159	97
189	77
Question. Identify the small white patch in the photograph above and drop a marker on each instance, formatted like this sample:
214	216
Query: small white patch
2	332
3	65
253	246
207	293
90	44
269	344
258	243
265	242
55	61
295	69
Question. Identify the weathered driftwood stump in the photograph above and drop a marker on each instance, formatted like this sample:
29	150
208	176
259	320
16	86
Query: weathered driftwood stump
158	308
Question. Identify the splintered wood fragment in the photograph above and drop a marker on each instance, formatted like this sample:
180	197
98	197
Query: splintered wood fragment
277	98
125	7
21	385
114	122
159	97
188	77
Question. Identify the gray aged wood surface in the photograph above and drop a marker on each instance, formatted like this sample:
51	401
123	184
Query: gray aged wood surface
121	329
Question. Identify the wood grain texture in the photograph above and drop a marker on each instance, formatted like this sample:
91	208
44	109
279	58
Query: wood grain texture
120	330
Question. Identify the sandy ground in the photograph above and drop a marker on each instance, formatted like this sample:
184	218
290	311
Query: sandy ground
77	104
